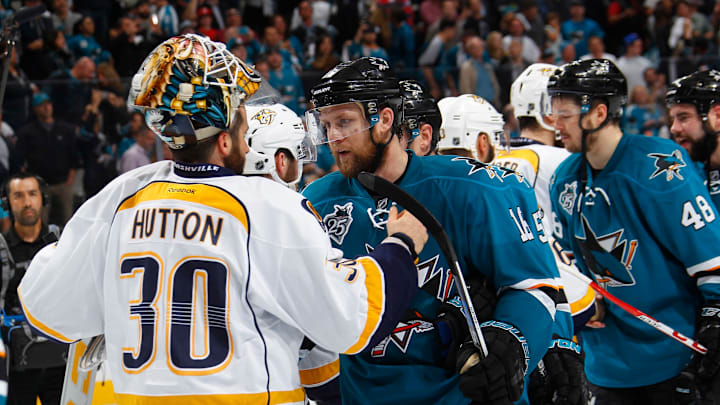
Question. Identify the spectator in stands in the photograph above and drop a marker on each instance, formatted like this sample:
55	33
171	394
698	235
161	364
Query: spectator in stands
656	83
365	43
553	34
453	60
205	24
63	18
531	52
568	54
431	60
494	54
641	115
430	11
83	43
98	10
478	77
289	42
477	20
263	67
128	48
286	81
70	90
325	56
402	42
633	64
238	48
596	45
509	69
167	17
532	22
57	55
272	39
235	28
306	31
579	28
623	17
47	147
449	12
32	42
139	154
18	94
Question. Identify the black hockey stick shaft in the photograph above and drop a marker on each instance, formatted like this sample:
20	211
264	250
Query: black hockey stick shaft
380	186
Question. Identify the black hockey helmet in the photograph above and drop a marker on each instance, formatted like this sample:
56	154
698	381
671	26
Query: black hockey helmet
701	89
589	80
419	107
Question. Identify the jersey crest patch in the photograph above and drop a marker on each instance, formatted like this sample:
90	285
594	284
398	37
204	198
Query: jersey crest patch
338	222
608	257
567	197
668	164
401	336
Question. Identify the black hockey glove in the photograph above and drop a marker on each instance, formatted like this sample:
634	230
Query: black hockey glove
559	378
450	323
498	378
707	332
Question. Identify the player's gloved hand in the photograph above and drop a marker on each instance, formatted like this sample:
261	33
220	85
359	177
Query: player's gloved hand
559	378
498	378
705	367
450	321
407	224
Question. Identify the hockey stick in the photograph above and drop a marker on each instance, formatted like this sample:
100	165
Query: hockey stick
387	189
638	313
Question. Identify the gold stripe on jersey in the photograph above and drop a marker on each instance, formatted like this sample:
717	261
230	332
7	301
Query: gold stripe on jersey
276	397
375	292
203	194
319	375
583	303
528	155
41	326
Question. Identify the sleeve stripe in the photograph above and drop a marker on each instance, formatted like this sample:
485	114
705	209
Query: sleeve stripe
708	265
376	298
583	303
320	375
531	283
41	326
708	279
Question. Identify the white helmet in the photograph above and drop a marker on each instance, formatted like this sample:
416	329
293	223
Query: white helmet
528	93
464	118
272	127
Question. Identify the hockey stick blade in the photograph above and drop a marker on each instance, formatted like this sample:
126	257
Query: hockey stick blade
670	332
387	189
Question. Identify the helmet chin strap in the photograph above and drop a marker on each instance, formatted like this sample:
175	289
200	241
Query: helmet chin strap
379	149
585	133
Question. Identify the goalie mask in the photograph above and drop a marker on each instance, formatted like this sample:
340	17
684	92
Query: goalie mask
464	118
272	128
190	88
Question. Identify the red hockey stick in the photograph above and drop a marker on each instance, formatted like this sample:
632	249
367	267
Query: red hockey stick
638	313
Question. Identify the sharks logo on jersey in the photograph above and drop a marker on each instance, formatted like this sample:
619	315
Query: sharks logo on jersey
668	164
608	257
494	172
434	280
567	197
401	336
338	222
379	216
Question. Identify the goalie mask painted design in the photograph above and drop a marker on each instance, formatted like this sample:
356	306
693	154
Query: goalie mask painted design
190	89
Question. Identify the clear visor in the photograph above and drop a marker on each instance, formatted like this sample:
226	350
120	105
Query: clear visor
306	150
339	121
563	107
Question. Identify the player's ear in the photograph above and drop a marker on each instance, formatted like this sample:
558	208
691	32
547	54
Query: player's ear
224	144
385	122
281	164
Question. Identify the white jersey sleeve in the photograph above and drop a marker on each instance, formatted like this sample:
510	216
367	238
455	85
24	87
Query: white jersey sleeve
207	288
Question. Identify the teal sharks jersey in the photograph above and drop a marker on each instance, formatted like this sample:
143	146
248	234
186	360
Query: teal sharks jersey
493	221
645	228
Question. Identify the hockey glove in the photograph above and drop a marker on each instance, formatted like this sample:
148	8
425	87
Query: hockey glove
450	322
560	377
707	333
498	378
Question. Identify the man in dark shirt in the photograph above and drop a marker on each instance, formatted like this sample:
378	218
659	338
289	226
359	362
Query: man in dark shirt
47	147
37	366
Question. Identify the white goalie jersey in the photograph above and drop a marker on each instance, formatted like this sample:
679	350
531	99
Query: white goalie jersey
204	288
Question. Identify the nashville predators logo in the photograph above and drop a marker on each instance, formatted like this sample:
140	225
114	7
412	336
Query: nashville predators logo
668	164
264	116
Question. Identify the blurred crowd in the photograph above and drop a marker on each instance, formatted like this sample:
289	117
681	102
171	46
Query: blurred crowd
64	114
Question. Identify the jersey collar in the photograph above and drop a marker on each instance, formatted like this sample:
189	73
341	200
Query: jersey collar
200	170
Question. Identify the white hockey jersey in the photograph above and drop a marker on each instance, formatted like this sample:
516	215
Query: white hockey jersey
205	287
537	162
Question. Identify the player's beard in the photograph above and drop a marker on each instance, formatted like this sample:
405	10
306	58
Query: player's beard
28	216
235	160
701	149
359	160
